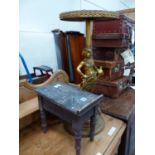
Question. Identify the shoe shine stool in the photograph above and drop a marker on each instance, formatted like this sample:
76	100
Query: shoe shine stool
71	104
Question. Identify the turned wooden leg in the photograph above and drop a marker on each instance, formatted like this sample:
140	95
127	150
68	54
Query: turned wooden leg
42	115
92	125
77	141
77	128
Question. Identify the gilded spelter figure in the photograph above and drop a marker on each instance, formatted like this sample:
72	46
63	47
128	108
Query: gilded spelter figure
88	71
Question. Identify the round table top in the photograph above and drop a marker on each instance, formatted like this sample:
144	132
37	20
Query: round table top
82	15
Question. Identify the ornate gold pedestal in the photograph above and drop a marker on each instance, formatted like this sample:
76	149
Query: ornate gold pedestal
88	71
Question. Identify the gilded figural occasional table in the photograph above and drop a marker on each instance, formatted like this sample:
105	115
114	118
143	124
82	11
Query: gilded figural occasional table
70	104
88	71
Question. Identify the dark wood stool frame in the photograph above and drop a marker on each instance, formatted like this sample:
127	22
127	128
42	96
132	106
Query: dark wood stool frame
76	120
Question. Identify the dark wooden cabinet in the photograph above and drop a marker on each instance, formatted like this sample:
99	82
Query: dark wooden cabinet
69	46
75	45
123	108
61	50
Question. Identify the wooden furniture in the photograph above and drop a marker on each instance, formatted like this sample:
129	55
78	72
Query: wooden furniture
28	102
88	16
112	88
61	49
75	45
124	109
70	104
86	68
69	47
111	38
59	75
43	69
28	105
112	69
58	142
114	33
109	54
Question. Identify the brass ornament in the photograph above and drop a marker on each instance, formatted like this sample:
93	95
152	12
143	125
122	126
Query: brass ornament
88	71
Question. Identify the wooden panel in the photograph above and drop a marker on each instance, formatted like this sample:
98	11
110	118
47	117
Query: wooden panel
58	142
113	89
29	119
124	109
28	107
25	94
22	82
69	46
113	149
121	107
75	42
61	49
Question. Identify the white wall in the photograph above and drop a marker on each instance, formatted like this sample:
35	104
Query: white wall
110	5
39	17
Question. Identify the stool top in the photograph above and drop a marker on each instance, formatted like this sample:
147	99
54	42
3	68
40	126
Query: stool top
43	68
69	97
82	15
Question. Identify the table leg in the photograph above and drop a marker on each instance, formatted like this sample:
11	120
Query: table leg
42	115
77	142
77	132
92	125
